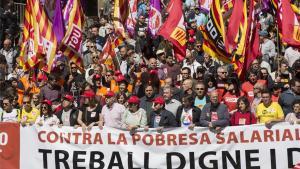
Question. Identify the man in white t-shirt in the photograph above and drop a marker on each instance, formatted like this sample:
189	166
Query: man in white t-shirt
8	114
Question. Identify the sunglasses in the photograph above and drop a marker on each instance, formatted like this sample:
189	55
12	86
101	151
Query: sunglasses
223	72
73	67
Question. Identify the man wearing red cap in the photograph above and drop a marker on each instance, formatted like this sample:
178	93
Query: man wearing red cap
112	112
68	115
160	117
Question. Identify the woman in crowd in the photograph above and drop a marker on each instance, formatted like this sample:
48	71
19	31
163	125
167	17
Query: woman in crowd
122	99
89	116
46	117
211	83
294	117
232	94
134	117
242	116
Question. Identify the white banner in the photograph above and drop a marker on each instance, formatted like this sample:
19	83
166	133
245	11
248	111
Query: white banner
237	147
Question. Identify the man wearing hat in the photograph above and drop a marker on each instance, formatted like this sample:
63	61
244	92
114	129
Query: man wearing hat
160	117
68	115
267	46
112	112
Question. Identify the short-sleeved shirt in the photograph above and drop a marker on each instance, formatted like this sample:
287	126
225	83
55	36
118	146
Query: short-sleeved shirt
29	116
273	112
9	117
113	116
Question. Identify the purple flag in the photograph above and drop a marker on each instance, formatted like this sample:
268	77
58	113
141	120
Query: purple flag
66	13
58	26
155	19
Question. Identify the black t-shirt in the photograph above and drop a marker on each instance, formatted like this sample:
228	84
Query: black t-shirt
89	117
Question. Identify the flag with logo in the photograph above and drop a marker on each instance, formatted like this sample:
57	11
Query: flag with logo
72	42
214	34
131	20
39	41
174	30
290	25
155	18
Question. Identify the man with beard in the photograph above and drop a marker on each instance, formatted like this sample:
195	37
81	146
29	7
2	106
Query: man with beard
171	69
51	91
146	101
160	117
214	114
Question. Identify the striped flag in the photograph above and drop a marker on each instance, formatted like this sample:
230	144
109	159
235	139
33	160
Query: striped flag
121	12
72	42
214	34
131	20
39	41
66	12
155	18
248	39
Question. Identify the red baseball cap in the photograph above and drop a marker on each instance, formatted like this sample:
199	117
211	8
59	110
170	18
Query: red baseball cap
88	94
48	102
153	71
117	73
134	100
159	100
69	97
97	77
120	78
110	94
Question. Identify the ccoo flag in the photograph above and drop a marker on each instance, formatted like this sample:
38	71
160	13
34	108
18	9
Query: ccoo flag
155	18
174	30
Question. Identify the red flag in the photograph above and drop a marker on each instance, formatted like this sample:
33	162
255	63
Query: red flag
174	30
290	25
108	53
233	26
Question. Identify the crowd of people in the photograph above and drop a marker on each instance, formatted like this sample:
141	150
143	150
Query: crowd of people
146	87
